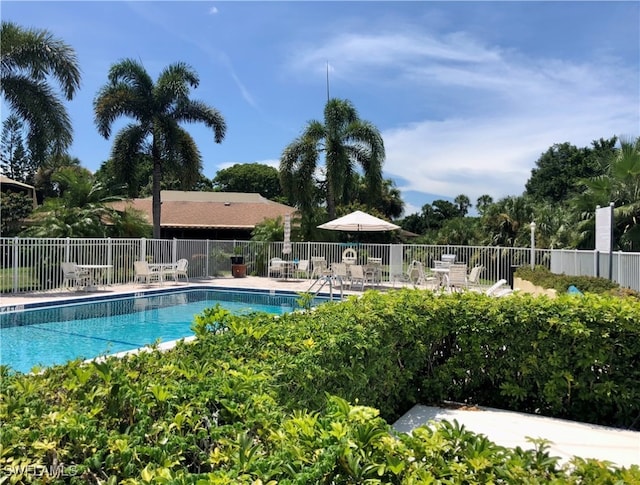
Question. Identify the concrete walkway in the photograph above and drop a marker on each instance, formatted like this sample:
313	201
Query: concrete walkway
510	429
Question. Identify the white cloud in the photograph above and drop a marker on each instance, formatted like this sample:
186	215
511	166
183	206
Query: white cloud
499	110
213	10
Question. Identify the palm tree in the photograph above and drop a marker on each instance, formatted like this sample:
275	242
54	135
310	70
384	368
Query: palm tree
29	58
83	210
345	140
157	109
620	185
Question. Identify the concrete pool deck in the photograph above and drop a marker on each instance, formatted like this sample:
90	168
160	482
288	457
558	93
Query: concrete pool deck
505	428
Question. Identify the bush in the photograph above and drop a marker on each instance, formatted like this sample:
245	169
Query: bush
541	276
265	399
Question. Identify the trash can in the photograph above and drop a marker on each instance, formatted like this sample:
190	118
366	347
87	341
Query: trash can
510	277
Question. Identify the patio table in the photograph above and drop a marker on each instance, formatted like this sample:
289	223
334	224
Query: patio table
442	275
97	275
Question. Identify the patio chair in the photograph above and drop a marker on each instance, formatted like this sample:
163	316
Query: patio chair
499	289
143	272
356	276
457	277
417	275
319	266
473	280
74	276
340	272
177	270
349	256
373	270
276	267
302	268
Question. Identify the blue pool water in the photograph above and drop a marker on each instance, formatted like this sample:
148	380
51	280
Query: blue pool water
55	334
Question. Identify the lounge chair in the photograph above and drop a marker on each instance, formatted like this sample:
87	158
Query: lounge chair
499	289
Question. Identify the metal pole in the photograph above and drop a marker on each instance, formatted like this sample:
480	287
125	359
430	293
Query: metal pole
533	244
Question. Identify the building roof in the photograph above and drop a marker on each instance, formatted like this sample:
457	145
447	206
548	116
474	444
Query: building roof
202	210
7	182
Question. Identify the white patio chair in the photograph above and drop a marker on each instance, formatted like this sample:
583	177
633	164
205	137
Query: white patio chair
373	270
340	272
319	266
457	277
302	268
499	289
473	279
276	267
177	270
356	276
74	276
143	272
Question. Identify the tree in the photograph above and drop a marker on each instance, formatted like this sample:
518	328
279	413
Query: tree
15	162
46	175
345	141
29	59
249	177
483	202
463	203
14	209
620	184
507	222
561	169
157	110
83	210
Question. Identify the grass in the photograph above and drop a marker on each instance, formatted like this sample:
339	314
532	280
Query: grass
26	279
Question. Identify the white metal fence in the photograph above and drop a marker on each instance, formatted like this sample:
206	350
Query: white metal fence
33	264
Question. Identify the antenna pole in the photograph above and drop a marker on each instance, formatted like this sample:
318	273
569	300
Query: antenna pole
327	81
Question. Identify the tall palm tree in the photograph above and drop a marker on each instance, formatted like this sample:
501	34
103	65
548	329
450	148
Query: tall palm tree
620	185
30	58
345	140
157	109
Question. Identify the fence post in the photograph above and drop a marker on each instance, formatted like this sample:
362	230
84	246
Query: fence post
174	251
15	264
143	249
67	244
109	260
206	259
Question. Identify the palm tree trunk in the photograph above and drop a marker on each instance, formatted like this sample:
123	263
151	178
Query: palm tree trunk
155	190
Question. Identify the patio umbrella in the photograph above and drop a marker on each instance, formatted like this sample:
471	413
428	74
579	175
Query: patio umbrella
286	246
358	221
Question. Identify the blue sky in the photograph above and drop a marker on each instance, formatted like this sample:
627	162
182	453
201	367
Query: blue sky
467	95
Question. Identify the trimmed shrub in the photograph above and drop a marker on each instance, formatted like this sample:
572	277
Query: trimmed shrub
263	399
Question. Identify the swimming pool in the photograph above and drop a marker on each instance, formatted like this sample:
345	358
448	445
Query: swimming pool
55	334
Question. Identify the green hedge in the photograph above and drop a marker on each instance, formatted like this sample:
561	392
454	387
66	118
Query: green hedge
264	399
541	276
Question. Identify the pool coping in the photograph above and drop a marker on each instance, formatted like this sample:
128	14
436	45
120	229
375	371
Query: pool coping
63	300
